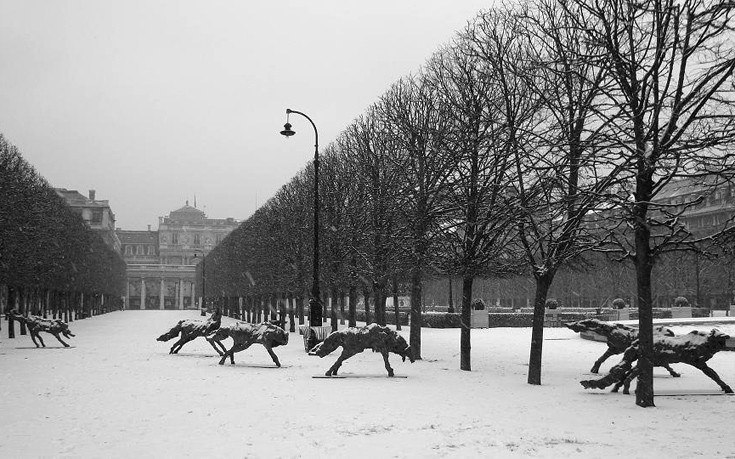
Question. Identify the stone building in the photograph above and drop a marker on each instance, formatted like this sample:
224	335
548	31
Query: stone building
96	213
162	263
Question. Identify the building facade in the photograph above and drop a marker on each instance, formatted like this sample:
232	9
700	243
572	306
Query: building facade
161	264
96	213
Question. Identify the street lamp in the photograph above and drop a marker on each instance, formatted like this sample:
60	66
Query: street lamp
315	307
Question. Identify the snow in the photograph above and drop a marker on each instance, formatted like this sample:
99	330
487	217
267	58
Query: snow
118	393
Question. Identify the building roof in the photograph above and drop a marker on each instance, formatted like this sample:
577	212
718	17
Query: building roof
187	213
687	186
76	199
137	237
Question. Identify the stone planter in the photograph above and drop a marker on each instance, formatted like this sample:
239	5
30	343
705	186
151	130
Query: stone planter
479	319
551	318
684	312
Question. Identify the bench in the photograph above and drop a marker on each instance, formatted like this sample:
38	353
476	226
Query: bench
314	335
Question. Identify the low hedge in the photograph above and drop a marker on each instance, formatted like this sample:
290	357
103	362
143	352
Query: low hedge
511	320
390	317
441	320
505	317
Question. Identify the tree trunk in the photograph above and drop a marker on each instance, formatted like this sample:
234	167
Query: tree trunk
380	297
644	266
333	310
273	307
300	306
465	345
352	317
291	313
395	303
415	325
12	292
543	283
282	313
366	295
23	308
66	307
450	308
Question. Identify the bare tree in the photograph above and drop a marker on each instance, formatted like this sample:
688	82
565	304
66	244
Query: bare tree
369	150
412	114
670	109
559	156
475	227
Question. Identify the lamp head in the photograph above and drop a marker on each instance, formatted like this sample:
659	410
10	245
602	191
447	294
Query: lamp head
287	131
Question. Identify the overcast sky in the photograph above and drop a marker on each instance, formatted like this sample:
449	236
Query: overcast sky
153	102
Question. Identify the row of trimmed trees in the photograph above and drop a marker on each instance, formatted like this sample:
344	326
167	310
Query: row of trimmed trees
539	133
51	262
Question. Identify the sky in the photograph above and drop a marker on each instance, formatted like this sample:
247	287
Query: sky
153	103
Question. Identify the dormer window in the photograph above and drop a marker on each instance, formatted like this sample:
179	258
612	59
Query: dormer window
97	216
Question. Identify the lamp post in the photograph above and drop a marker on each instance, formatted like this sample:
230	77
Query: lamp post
315	306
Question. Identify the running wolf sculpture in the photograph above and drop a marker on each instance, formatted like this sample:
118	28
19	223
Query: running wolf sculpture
695	349
37	324
244	335
619	338
191	329
356	339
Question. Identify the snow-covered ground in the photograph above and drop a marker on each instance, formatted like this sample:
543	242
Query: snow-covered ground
118	393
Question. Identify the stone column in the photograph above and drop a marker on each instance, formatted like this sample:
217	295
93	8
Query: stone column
180	286
193	297
142	293
127	295
161	296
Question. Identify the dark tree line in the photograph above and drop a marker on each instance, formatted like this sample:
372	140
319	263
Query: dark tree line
51	262
540	133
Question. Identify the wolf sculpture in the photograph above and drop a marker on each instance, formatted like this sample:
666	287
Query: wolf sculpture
244	335
619	338
695	349
191	329
37	324
356	339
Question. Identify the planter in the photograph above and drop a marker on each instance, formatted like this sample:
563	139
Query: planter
479	319
623	314
684	312
551	318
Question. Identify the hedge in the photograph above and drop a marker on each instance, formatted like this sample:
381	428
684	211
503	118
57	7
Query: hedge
525	319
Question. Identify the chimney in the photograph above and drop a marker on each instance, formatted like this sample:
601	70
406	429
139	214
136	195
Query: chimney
91	195
149	227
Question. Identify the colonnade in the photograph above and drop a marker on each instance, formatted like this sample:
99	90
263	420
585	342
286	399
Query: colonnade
180	286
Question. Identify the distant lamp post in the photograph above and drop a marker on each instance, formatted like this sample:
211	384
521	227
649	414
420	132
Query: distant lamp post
315	306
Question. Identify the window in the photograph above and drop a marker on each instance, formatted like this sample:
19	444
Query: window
139	250
97	216
128	250
175	238
197	239
151	251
